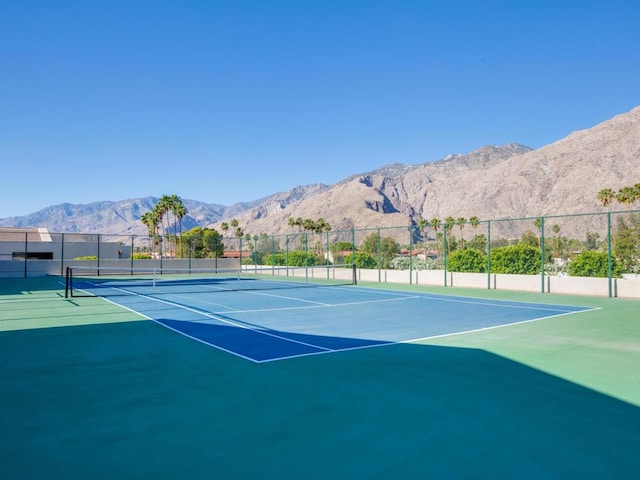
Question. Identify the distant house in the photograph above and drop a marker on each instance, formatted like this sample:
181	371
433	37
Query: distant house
418	253
338	256
235	254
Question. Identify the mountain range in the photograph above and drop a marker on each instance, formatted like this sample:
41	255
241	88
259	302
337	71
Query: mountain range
491	182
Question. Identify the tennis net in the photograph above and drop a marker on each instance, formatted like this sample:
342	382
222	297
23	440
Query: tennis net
83	281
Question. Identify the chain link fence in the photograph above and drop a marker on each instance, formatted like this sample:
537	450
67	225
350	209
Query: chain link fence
543	254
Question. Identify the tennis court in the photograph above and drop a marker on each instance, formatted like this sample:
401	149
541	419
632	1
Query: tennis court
315	382
274	317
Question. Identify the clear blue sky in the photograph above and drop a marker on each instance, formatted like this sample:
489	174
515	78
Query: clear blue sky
225	101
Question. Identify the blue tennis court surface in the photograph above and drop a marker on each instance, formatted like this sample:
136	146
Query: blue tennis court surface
268	325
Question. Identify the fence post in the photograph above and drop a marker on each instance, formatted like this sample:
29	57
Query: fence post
273	254
379	255
444	242
609	260
410	254
62	254
327	251
542	252
26	250
488	254
286	254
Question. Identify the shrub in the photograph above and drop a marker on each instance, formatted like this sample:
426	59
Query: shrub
387	245
467	260
365	260
341	246
296	258
590	263
277	259
402	263
519	259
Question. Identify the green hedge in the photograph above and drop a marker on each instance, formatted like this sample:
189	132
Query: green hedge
590	263
467	260
518	259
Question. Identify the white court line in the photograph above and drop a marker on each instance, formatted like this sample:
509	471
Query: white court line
187	297
432	337
479	301
249	292
327	305
530	306
315	304
324	350
285	297
207	314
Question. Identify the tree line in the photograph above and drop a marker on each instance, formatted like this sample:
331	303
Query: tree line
377	251
167	207
626	195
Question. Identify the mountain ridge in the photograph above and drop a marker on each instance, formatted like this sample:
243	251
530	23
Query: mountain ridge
490	182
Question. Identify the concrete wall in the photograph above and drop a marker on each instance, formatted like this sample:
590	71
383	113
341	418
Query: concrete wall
71	249
36	268
627	287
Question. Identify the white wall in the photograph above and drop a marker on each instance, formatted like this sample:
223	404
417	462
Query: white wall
627	287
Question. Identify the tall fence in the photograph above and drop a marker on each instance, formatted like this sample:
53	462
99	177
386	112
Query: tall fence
595	253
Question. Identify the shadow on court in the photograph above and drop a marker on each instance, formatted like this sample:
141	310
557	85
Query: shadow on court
31	286
134	400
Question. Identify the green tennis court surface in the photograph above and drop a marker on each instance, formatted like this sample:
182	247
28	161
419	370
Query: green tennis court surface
91	390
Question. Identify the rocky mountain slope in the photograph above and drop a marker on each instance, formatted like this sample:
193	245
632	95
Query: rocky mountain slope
491	182
123	217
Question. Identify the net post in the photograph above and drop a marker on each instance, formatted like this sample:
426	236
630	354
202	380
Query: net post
66	282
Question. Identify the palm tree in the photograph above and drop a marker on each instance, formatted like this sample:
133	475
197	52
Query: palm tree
163	208
538	223
321	226
636	189
461	221
435	224
556	229
174	204
448	226
236	226
422	225
179	212
626	195
308	225
606	196
148	220
152	220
